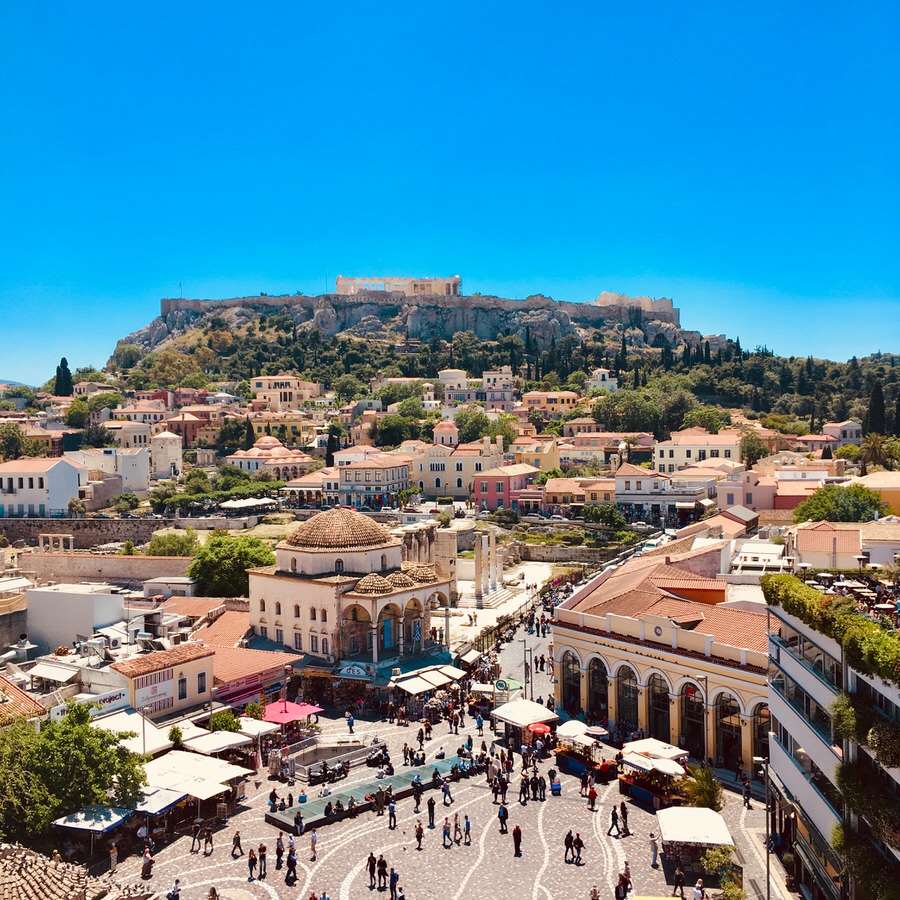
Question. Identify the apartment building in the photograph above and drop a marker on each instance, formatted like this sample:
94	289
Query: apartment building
693	445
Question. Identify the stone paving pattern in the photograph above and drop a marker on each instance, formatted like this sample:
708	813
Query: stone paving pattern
486	869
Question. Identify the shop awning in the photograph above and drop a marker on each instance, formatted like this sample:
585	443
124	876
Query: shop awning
217	742
255	728
94	819
571	728
637	761
158	800
469	658
654	748
522	713
582	740
685	504
51	672
414	685
435	678
452	672
693	825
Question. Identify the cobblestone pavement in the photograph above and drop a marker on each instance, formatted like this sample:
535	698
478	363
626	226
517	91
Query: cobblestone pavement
485	869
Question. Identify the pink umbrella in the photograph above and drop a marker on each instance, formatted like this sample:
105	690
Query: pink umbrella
283	711
539	728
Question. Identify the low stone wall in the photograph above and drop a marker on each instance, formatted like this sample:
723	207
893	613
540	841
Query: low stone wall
87	533
78	567
555	553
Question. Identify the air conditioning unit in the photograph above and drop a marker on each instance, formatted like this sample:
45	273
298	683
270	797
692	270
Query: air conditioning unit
370	670
115	643
396	672
175	638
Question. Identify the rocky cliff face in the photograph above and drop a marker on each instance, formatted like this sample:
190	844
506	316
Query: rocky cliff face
383	316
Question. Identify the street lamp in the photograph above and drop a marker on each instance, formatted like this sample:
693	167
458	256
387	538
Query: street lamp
288	671
763	765
528	679
145	711
705	680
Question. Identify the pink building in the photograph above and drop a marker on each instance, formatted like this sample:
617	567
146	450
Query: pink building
499	488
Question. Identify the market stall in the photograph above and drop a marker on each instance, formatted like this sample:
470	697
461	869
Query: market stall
93	820
517	716
579	747
687	832
650	781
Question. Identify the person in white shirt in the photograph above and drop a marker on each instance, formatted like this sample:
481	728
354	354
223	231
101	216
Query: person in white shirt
699	893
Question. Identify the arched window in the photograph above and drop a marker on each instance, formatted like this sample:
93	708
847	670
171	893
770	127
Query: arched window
571	682
262	605
598	689
437	482
383	561
296	610
728	730
293	565
659	708
693	721
627	711
338	565
459	482
354	614
277	608
762	725
323	615
312	614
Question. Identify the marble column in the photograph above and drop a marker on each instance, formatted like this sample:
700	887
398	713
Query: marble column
485	573
492	559
479	562
374	643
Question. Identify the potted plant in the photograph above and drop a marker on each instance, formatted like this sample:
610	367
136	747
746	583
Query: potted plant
789	862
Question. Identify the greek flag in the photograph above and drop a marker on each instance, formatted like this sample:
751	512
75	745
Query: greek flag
417	631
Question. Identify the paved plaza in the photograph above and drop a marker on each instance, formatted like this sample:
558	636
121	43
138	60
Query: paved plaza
485	869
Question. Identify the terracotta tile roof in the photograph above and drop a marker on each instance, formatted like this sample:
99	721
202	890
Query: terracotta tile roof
193	607
823	537
509	471
17	702
795	488
161	659
629	470
735	627
235	663
28	464
227	630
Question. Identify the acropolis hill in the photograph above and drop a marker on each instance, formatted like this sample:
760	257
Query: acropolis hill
424	309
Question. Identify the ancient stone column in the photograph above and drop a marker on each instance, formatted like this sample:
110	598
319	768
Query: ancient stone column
484	575
492	559
479	549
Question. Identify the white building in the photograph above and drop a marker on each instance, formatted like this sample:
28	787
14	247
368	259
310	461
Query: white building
166	457
604	379
133	465
39	487
846	432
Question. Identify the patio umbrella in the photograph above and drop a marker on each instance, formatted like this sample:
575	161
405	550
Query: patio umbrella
539	728
283	711
887	607
309	709
595	731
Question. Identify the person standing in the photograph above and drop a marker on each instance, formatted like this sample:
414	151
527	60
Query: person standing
291	874
679	882
382	871
517	841
430	804
445	841
175	893
578	846
570	846
467	831
592	798
262	852
236	844
208	841
654	851
420	833
457	829
279	850
251	863
195	836
614	821
392	814
502	815
113	858
351	722
623	812
313	840
371	863
393	878
699	893
621	889
747	793
448	797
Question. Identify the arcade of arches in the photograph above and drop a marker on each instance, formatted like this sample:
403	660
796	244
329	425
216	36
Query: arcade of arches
720	728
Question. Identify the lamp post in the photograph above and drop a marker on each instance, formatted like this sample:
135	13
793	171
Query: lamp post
705	680
288	671
145	711
528	679
763	765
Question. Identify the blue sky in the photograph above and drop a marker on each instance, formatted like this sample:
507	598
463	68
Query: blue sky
741	159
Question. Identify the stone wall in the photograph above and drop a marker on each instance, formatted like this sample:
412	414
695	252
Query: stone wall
87	533
78	567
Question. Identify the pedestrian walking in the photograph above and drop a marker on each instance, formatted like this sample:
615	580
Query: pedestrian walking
592	798
113	858
614	821
502	816
570	846
371	863
251	863
195	836
208	841
621	889
236	844
313	840
291	873
279	850
654	851
430	804
392	815
699	892
578	845
448	797
420	833
623	813
350	722
479	722
678	881
446	842
626	874
393	879
175	893
262	854
517	841
467	831
739	770
747	793
382	871
457	829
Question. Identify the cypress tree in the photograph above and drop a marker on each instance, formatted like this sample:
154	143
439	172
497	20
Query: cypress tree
249	435
876	410
63	386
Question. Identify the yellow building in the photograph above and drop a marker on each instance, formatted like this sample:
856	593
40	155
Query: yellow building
887	484
643	647
540	451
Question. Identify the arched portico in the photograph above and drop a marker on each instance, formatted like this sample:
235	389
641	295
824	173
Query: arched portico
693	720
659	725
570	681
598	688
727	720
627	697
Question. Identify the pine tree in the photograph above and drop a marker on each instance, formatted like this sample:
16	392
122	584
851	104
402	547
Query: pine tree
876	415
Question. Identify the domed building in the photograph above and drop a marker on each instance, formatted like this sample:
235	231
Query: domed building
351	596
269	453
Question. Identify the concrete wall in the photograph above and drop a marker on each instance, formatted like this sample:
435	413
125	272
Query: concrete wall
67	567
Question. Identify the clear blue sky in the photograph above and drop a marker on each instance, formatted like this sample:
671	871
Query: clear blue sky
740	158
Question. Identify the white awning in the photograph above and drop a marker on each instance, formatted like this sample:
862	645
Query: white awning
655	748
256	727
96	819
147	737
571	728
637	761
452	672
217	741
693	825
522	713
414	685
470	657
157	800
435	678
52	672
14	584
582	740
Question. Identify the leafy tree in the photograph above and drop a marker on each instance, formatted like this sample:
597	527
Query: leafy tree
703	788
78	414
97	436
411	408
472	425
77	507
64	767
848	451
197	482
544	477
605	514
719	860
334	436
176	736
254	710
753	449
230	476
128	548
12	441
220	566
161	494
178	543
125	502
63	385
224	720
127	356
393	430
833	503
876	416
873	451
347	388
709	417
107	400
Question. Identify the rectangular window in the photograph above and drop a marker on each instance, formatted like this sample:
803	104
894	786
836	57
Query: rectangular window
714	454
749	498
279	636
30	483
671	454
201	682
298	641
313	643
638	486
182	688
484	487
499	487
727	454
263	631
459	467
478	467
729	499
627	485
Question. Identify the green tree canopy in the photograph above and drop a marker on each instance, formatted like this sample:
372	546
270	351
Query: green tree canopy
220	566
833	503
605	514
224	720
78	414
753	449
178	543
63	385
107	400
97	436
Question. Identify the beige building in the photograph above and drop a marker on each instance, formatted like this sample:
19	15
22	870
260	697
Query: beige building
693	445
447	468
646	646
422	287
270	454
284	392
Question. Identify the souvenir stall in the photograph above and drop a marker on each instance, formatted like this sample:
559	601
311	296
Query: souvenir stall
687	832
515	717
579	748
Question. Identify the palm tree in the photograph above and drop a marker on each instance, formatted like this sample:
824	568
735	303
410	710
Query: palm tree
703	788
873	452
